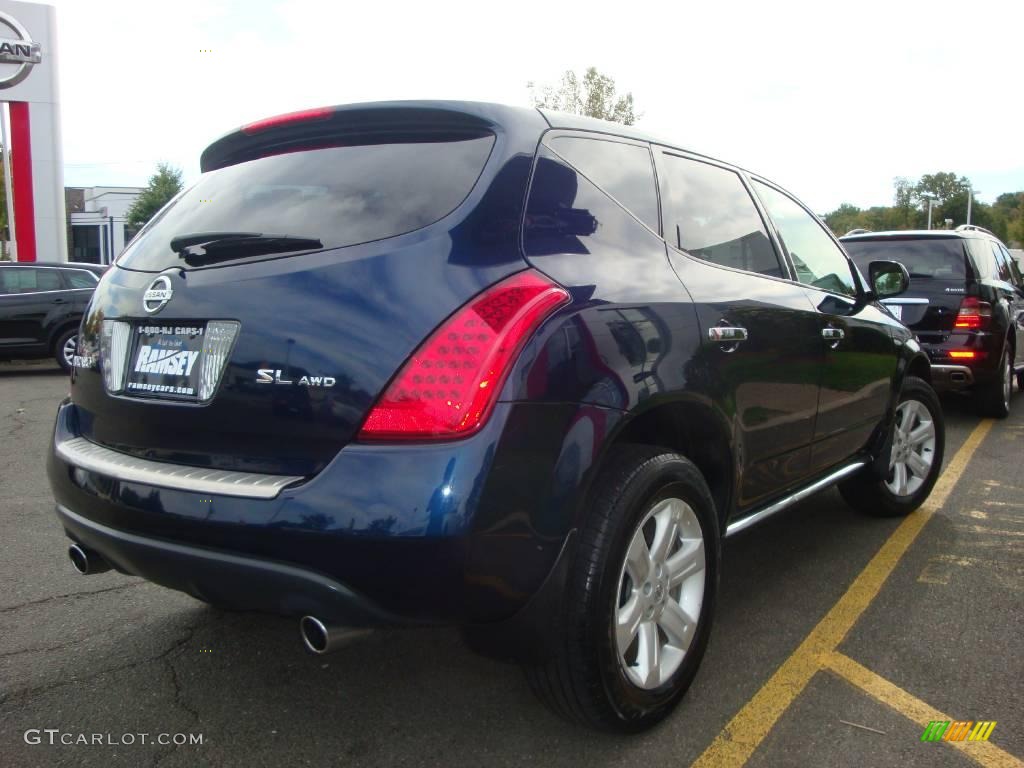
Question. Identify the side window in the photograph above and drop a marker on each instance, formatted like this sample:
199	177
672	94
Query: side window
79	278
1002	263
710	215
1018	278
818	260
624	171
24	280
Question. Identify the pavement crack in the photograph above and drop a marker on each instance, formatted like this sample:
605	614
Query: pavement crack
189	633
52	598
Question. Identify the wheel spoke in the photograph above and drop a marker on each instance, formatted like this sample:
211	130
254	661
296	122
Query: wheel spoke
665	533
901	478
924	432
648	654
677	625
684	563
918	465
628	621
638	558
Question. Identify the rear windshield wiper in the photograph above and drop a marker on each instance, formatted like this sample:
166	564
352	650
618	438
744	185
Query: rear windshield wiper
203	247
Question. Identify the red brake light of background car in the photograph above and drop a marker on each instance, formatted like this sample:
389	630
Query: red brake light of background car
964	354
973	315
304	116
447	389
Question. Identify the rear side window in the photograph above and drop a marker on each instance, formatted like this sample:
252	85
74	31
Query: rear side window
819	262
27	280
931	258
710	215
1002	263
342	195
624	171
79	278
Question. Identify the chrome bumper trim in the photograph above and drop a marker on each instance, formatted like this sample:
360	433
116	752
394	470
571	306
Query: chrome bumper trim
957	375
745	522
79	452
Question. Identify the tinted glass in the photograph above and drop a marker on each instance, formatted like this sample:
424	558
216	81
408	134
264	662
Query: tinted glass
710	214
79	278
624	171
1002	263
22	280
1014	267
934	258
818	260
340	195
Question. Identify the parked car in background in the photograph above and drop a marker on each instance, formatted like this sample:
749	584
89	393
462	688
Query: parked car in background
965	305
41	306
496	367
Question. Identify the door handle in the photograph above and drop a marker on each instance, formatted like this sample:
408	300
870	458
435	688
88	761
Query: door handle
727	335
58	301
833	335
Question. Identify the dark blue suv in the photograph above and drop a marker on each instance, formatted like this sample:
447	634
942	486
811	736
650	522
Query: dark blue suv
452	363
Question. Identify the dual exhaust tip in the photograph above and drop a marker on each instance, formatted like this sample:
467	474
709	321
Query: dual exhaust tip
87	562
318	636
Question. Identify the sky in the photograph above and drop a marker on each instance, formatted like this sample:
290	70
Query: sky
830	100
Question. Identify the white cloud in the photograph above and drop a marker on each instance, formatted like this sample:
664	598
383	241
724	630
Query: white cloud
830	100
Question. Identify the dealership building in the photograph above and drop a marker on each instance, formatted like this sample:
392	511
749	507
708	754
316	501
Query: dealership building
97	225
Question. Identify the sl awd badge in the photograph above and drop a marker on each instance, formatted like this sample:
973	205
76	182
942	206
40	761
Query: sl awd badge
273	376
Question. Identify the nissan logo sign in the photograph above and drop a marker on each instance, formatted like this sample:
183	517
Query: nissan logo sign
18	53
157	295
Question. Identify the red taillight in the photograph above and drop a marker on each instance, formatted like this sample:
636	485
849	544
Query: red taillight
447	388
973	315
965	354
306	115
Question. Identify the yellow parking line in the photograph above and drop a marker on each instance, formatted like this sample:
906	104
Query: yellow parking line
734	745
982	752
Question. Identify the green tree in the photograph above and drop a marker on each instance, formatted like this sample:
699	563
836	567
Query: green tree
593	95
163	185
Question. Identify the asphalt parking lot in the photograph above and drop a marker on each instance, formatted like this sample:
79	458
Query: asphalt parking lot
824	617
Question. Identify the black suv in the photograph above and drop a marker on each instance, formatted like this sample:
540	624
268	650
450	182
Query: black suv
457	363
41	306
965	305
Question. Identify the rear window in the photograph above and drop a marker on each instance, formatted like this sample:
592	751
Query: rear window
342	195
28	280
937	258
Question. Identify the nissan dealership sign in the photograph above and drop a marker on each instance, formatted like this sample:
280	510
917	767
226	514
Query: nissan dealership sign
18	51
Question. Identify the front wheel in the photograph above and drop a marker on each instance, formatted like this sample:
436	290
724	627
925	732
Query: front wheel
918	441
638	607
65	349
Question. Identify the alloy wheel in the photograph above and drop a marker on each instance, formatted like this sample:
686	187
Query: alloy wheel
69	349
660	594
913	448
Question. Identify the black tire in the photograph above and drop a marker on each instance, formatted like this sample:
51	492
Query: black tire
58	348
584	680
868	491
993	399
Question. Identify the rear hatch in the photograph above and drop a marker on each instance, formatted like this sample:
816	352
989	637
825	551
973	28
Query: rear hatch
940	277
256	319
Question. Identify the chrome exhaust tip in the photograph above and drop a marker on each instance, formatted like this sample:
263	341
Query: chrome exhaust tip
86	562
320	637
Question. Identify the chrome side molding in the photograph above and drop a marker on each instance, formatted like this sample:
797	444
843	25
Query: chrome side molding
777	506
79	452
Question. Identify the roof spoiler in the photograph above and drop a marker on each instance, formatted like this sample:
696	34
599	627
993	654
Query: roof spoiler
335	126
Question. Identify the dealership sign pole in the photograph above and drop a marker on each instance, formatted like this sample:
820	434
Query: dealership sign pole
28	84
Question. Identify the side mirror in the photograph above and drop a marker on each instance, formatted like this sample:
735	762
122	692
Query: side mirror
888	278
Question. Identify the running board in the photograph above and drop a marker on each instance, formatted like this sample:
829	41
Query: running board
787	501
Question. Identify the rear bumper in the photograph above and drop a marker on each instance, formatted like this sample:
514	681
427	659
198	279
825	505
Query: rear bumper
224	578
457	533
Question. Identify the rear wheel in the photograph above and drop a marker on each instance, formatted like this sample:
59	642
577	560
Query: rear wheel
65	349
993	399
639	603
917	443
